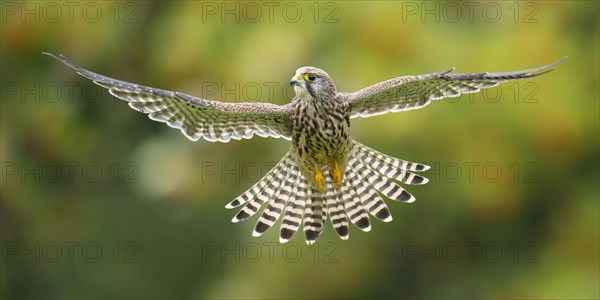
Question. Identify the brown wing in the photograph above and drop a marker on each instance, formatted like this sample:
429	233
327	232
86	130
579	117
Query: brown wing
412	92
197	117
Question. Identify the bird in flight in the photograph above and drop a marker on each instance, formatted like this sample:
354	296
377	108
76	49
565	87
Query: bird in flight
326	173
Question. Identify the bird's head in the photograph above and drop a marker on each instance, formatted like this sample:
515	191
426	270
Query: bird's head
311	82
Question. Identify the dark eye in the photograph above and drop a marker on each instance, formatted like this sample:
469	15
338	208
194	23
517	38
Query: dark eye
310	77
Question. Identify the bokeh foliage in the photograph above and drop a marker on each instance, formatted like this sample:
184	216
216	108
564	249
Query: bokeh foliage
542	210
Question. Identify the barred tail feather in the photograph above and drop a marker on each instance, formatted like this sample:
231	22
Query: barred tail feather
367	193
335	210
384	185
379	172
286	192
355	210
314	215
294	210
392	162
270	185
275	208
257	187
390	171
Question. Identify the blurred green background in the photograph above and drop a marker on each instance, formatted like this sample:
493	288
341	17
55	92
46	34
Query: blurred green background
97	201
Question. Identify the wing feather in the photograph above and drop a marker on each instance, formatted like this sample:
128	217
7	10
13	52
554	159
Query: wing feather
412	92
197	117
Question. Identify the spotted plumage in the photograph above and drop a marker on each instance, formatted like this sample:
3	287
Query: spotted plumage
326	174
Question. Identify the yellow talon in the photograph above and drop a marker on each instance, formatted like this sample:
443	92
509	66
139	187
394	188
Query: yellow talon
336	174
320	180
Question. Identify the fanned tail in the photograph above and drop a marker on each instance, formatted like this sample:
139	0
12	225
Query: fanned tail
370	173
319	205
264	190
286	192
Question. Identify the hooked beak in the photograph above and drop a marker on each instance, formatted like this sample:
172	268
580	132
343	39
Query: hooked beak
296	80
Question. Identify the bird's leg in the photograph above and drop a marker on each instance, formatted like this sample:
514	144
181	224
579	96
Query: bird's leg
335	173
319	179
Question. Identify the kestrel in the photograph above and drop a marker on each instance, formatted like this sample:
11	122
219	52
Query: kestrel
325	173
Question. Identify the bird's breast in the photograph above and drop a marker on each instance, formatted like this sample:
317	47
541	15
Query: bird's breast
318	132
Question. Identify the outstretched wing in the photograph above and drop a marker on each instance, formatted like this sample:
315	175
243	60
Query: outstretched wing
412	92
197	117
